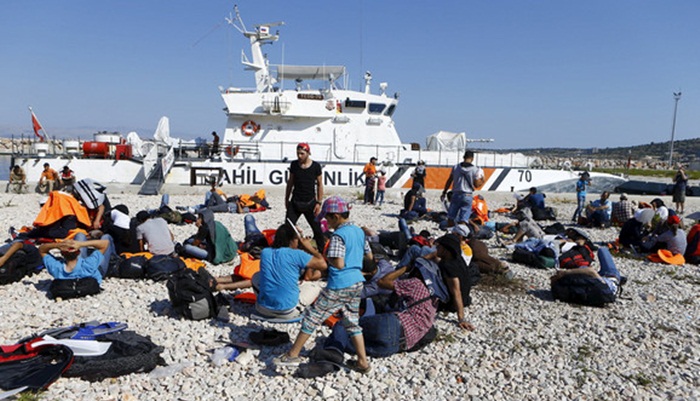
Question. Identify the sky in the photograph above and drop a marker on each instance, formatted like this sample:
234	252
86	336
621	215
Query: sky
525	73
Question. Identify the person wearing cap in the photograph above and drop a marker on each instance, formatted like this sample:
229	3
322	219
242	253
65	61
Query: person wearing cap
304	191
76	263
457	277
584	180
49	178
154	235
370	171
466	178
413	203
599	212
680	184
673	239
622	210
407	329
67	179
346	250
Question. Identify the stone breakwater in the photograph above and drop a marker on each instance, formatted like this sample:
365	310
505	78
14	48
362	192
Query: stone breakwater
525	346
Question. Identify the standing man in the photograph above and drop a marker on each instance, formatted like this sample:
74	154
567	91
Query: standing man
305	186
49	178
583	181
370	171
466	178
215	144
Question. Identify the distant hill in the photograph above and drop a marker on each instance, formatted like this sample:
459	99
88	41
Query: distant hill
686	150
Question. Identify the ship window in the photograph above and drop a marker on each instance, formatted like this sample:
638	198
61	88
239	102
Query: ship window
376	108
390	110
360	104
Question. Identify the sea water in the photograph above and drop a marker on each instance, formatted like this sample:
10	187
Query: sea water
5	165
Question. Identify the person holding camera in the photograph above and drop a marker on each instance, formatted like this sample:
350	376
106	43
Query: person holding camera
680	182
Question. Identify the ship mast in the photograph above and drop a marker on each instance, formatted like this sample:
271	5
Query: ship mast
261	36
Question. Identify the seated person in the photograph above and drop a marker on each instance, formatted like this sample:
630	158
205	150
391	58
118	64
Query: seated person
76	263
635	229
457	277
692	251
18	180
48	179
212	242
282	266
92	195
122	231
414	203
66	179
673	238
154	235
622	211
374	270
534	199
599	212
249	203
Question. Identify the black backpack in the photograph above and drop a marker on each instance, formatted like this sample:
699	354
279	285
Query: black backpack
133	267
130	352
532	259
74	288
191	293
161	267
583	290
24	262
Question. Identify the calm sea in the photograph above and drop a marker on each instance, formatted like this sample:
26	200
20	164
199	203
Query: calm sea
5	167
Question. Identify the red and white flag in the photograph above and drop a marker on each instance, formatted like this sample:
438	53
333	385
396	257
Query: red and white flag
37	126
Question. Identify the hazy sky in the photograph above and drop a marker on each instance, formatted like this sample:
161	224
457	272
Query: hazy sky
525	73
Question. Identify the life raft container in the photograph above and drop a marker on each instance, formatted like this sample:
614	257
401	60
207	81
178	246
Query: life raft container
250	128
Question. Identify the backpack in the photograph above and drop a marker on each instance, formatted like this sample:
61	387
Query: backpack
191	293
555	229
161	267
583	290
130	352
578	256
133	267
532	259
432	278
22	263
74	288
90	192
37	367
548	213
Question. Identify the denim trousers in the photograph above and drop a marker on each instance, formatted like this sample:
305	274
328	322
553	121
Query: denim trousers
381	333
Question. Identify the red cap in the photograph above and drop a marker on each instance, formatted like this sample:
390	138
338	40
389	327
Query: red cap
674	219
305	146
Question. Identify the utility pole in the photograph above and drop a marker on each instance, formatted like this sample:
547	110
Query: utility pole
677	97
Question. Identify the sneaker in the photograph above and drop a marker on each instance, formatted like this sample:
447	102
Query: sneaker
509	275
12	232
285	360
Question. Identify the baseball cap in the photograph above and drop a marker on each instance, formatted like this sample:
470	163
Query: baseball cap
461	229
674	219
305	146
334	204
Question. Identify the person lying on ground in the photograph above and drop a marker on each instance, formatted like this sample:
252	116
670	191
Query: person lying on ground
249	203
527	227
76	263
478	253
288	276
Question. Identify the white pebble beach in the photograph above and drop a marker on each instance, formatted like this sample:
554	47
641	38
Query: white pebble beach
525	346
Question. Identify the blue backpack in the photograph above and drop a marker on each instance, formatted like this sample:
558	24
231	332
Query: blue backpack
432	278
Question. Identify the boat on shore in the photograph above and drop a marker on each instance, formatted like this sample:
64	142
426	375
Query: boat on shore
344	128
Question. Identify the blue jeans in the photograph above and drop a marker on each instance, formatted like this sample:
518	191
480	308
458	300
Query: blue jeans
607	265
249	225
380	197
403	227
414	252
194	251
164	200
104	266
382	335
580	206
460	207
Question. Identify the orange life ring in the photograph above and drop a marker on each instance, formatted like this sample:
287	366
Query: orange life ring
231	150
250	128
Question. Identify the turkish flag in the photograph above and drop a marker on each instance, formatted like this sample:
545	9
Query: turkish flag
37	127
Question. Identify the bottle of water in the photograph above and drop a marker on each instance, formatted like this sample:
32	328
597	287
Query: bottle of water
221	355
